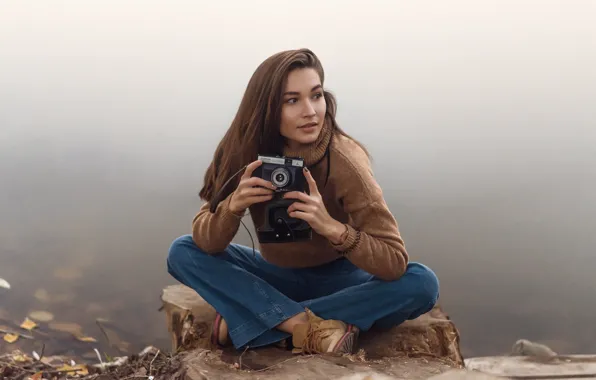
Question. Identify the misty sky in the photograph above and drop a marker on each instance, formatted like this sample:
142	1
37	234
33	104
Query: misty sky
480	116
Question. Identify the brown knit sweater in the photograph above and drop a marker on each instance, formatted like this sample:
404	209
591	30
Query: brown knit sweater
351	196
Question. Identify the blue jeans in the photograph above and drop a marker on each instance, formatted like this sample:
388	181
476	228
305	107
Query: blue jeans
254	296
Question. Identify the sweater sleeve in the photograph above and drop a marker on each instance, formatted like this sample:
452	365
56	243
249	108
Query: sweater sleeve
373	242
213	232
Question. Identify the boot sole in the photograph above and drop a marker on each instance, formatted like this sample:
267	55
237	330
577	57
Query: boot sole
345	344
354	330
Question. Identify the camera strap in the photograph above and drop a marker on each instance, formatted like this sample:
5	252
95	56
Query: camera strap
215	201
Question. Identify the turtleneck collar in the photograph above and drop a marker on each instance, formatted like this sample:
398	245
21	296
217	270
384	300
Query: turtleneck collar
312	153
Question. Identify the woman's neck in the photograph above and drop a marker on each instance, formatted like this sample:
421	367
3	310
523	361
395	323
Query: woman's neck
295	146
311	153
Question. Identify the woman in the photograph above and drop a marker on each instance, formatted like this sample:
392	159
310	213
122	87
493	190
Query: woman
354	273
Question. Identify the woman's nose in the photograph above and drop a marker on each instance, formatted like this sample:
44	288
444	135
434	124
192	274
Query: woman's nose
309	110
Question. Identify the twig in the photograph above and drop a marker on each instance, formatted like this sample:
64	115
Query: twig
151	364
57	372
240	358
16	333
21	376
103	331
18	367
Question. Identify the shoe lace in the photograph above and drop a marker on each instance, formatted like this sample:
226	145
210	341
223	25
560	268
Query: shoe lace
314	339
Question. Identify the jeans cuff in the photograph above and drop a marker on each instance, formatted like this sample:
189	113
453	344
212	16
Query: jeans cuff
262	323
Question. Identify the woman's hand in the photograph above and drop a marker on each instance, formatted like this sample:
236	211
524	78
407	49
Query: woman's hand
250	190
311	209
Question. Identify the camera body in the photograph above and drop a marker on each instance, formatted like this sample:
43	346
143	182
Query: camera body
284	172
287	175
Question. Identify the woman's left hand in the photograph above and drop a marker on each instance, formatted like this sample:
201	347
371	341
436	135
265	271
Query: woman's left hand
311	209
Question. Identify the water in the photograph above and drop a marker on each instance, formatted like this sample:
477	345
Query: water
480	118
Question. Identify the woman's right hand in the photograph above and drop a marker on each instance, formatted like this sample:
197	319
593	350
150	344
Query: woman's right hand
250	190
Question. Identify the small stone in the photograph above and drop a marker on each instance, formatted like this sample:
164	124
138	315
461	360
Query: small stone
41	316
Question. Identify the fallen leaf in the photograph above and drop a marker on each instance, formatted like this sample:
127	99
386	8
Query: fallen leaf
84	371
83	338
53	361
4	284
79	369
41	316
28	324
11	338
72	328
36	376
21	358
66	368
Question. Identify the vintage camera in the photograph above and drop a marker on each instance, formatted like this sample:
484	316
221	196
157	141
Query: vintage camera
287	175
284	172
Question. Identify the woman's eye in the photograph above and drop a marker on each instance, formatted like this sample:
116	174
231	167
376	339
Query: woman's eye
291	100
318	95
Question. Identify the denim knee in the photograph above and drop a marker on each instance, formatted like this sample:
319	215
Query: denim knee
178	253
424	285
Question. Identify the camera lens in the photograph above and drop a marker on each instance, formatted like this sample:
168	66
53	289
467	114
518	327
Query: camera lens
280	177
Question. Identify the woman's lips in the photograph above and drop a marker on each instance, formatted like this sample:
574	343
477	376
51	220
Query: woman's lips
310	127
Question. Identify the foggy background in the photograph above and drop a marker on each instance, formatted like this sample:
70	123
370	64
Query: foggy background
480	117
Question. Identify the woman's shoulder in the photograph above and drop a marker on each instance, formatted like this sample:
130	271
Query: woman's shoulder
349	155
351	168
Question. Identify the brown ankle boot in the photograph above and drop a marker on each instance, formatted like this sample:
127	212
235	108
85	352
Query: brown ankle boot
319	336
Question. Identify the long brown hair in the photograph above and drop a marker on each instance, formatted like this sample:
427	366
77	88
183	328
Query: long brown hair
255	128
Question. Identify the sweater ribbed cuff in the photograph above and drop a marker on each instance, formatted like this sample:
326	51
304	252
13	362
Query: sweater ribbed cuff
226	213
349	243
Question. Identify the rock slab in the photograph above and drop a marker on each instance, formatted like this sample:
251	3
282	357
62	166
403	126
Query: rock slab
417	349
202	364
534	367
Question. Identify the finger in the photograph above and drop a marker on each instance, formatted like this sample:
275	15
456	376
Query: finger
297	195
256	181
312	185
252	191
300	215
259	199
299	206
251	168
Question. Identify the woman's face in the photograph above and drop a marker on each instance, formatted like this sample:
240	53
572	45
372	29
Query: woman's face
303	108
